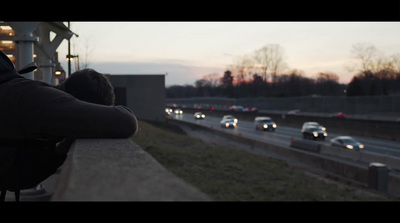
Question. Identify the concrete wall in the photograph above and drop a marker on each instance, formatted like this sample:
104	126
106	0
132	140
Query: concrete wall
143	94
353	105
118	170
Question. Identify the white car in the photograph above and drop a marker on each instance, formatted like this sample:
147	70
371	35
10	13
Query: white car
347	142
264	123
294	112
228	121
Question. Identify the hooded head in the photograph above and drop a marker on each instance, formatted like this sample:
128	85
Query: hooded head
8	70
89	85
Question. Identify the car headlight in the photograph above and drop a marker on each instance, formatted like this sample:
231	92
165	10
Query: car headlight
323	129
361	146
234	124
325	134
227	125
274	125
265	126
197	116
349	146
235	120
315	134
203	116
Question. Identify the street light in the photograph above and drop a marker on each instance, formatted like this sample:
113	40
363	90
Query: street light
69	58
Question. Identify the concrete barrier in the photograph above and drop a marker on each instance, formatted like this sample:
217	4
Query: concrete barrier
118	170
307	145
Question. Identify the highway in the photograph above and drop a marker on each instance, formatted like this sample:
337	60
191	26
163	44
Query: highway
283	134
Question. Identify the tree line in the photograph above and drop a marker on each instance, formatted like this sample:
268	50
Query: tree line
262	74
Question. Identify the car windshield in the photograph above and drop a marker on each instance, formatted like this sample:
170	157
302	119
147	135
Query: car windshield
315	129
266	120
349	141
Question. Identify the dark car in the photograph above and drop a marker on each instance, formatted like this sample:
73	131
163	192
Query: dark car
228	121
314	133
347	142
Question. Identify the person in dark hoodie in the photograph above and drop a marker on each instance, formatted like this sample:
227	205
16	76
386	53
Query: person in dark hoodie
39	122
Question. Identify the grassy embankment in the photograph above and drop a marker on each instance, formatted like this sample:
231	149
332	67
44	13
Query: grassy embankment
227	173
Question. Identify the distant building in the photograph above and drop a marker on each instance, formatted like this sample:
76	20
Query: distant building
144	94
7	45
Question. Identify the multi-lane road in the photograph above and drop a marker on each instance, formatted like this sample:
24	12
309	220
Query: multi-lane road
284	134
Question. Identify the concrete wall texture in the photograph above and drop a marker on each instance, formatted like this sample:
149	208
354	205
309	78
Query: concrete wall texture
118	170
351	105
143	94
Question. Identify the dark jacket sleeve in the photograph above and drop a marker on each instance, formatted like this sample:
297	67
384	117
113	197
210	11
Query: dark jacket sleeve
49	112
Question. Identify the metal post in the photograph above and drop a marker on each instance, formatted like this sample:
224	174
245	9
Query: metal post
46	65
378	177
69	54
24	39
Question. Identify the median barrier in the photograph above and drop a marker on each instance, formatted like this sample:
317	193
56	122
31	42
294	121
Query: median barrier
340	152
118	170
307	145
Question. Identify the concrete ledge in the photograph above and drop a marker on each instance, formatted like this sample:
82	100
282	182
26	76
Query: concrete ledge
118	170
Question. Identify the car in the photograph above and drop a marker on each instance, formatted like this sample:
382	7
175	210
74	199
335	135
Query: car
178	111
237	108
228	121
347	142
253	109
264	123
199	115
338	115
168	111
294	112
313	132
312	124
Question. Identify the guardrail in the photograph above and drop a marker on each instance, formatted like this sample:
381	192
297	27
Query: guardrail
317	157
118	170
389	130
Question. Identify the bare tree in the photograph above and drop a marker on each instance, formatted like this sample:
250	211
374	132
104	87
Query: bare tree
88	52
277	60
270	59
367	58
394	63
262	61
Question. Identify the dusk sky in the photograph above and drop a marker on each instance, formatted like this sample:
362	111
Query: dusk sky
187	51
